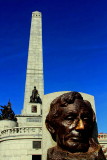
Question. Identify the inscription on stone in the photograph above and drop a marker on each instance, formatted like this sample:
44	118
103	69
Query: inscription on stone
34	119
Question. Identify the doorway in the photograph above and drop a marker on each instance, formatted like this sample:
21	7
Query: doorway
36	157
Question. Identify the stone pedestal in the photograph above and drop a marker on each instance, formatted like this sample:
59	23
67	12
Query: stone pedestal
33	109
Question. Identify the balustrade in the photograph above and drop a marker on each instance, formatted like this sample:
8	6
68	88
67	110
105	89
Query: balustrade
36	131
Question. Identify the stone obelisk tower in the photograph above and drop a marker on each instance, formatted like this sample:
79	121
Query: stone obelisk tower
34	75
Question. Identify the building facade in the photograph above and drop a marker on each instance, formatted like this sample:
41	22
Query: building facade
102	138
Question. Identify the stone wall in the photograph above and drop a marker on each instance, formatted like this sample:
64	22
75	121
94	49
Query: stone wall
20	143
20	149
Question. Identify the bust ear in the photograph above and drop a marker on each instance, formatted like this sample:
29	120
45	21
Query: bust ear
50	128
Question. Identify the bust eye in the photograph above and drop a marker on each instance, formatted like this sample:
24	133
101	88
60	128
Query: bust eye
86	118
70	118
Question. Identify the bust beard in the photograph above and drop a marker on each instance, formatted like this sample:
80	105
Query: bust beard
94	152
75	147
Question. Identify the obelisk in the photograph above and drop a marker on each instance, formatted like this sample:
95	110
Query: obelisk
34	74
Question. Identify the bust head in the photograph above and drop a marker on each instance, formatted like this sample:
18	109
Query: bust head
70	122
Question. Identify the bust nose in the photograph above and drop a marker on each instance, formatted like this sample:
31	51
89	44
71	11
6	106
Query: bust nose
80	125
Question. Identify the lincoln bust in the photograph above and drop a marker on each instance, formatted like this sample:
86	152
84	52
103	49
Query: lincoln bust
71	121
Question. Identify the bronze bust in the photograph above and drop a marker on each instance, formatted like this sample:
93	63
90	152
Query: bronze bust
70	122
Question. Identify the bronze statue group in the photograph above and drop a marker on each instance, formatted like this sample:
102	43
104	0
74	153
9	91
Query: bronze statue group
7	113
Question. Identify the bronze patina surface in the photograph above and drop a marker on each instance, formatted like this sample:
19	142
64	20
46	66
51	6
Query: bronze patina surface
35	98
71	121
7	113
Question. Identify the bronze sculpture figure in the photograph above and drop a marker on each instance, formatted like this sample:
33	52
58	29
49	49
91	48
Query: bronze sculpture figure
35	98
7	113
70	122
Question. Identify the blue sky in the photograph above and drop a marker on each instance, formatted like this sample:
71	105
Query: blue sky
74	49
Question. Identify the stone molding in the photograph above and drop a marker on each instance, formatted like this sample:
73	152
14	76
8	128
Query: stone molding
27	115
21	131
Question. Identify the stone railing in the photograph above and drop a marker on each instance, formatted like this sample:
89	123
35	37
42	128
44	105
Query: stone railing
18	131
102	136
